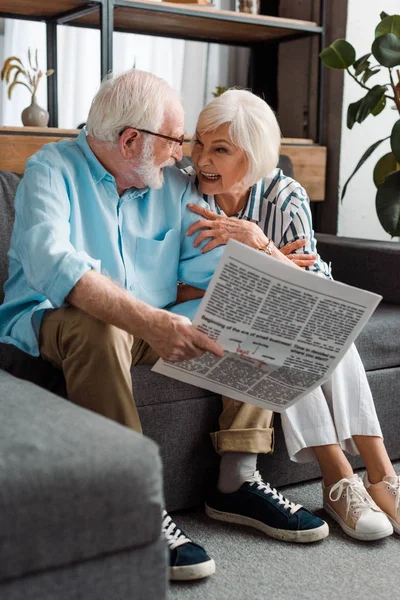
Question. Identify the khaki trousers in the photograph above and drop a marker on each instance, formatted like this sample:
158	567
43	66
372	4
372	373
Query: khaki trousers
96	360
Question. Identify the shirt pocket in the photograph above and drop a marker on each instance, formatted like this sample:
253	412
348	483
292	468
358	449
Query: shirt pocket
157	262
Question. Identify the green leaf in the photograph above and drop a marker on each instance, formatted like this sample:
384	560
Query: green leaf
369	73
386	50
385	165
388	204
389	25
339	55
383	15
360	163
361	64
395	140
379	107
352	113
370	102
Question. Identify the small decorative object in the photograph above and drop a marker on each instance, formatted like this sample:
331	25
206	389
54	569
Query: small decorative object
386	51
220	89
200	2
14	69
248	6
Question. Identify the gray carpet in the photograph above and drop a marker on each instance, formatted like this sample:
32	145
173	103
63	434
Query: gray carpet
251	566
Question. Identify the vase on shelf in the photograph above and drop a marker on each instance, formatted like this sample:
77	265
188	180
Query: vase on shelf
34	115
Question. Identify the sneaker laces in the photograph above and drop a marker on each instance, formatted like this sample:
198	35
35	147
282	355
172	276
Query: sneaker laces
267	489
357	497
174	536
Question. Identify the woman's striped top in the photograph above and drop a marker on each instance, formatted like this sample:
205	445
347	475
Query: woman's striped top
281	207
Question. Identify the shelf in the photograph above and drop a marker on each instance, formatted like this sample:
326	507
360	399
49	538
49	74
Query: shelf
199	22
196	22
17	144
41	10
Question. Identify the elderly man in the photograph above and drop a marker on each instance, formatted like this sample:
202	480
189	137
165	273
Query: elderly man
96	253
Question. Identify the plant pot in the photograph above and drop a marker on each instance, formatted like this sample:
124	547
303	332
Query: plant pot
34	115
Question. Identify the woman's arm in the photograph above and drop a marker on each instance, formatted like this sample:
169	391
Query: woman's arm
298	227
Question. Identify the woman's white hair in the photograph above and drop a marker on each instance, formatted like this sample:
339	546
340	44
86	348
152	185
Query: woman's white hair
134	98
253	128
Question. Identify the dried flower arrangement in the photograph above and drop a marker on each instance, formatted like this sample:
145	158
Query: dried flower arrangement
14	68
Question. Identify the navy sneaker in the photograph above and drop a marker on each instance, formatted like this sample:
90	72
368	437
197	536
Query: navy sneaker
187	560
258	505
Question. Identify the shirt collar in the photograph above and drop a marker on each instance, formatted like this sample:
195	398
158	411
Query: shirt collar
96	168
252	209
98	171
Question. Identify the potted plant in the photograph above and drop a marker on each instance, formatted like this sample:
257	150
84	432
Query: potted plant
14	73
385	49
220	89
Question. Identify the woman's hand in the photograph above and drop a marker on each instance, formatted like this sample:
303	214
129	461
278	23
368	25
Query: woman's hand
221	228
301	260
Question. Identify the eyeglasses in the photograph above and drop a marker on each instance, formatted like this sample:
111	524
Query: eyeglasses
179	141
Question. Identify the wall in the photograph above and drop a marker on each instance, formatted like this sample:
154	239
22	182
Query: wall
357	216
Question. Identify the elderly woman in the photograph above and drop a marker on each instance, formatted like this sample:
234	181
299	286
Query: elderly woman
235	152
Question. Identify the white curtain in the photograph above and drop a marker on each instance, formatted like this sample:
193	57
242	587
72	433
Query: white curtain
193	68
33	36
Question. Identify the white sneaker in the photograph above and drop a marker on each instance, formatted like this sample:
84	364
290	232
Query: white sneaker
386	494
350	505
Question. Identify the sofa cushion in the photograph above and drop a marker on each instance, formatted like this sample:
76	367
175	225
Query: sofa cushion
8	187
371	265
151	388
73	485
378	343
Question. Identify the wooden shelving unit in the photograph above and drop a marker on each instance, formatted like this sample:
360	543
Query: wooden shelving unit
17	144
199	22
183	21
165	19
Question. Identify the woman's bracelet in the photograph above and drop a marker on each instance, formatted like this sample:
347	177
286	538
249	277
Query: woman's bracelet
267	249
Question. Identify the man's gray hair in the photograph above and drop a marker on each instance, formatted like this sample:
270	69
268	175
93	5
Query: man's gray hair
253	128
134	98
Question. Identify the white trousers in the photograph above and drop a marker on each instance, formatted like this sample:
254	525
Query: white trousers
333	413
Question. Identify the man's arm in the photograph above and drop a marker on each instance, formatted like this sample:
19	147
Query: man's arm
172	336
195	268
56	270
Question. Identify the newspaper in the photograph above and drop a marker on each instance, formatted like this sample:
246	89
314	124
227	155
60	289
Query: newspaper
283	330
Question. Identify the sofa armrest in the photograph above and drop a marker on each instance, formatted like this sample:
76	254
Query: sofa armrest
368	264
74	485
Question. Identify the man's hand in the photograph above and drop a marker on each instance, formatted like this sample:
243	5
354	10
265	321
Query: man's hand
174	338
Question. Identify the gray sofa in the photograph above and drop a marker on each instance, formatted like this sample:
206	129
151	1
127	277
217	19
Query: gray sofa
80	503
179	417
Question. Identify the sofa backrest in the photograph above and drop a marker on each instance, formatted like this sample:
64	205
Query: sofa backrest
8	187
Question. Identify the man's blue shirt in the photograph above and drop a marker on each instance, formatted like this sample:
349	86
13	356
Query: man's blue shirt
69	219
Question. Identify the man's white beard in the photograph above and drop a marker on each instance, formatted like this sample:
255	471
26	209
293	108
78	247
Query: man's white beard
149	173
